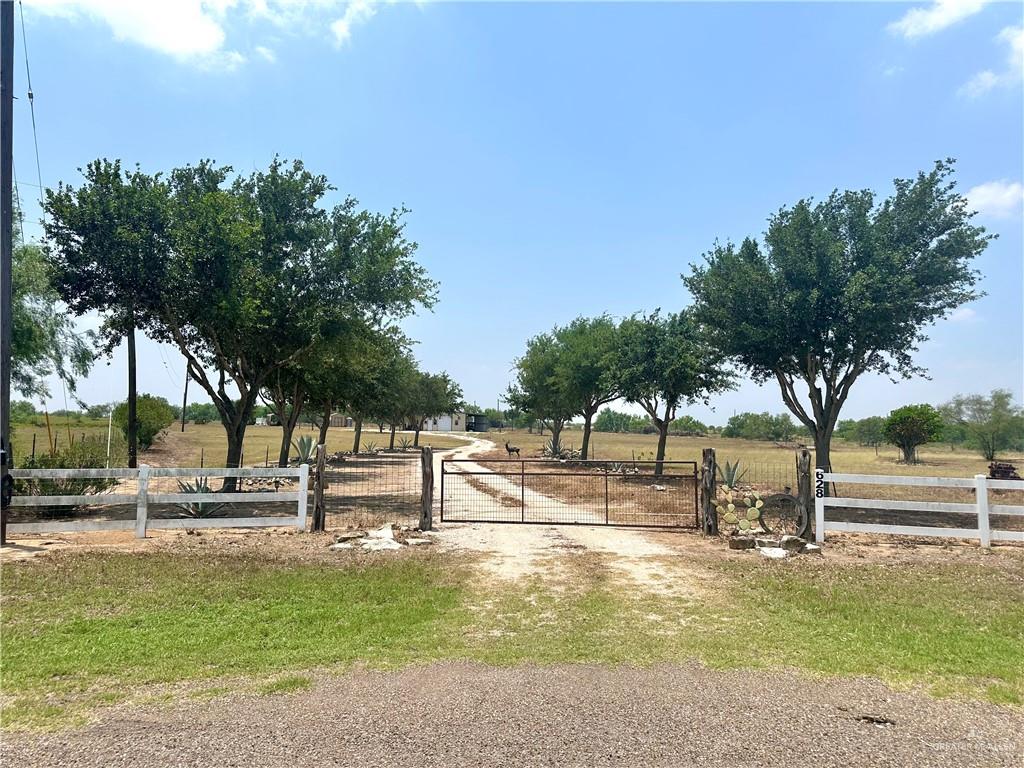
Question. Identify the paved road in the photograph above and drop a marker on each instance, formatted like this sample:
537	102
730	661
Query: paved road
457	715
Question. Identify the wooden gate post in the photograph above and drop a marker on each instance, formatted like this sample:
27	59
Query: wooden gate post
427	490
709	516
319	514
805	500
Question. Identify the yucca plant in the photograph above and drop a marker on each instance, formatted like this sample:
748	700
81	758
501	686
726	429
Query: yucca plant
730	474
305	449
198	509
404	444
369	447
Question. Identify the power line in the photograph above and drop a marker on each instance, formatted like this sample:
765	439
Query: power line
32	108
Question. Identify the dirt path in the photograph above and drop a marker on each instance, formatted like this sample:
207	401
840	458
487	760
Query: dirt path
636	557
459	714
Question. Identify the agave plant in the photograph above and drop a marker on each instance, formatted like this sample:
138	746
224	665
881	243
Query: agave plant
305	449
369	446
404	444
198	509
730	474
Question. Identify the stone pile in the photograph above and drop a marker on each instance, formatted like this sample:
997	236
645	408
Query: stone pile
378	540
775	548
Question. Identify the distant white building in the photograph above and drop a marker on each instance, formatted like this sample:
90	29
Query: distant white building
449	422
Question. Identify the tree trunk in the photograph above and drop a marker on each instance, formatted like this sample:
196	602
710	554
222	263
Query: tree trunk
659	457
133	423
556	438
588	417
325	424
416	436
822	454
287	429
359	433
391	442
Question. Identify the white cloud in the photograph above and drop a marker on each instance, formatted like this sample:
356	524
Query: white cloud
919	22
987	80
997	199
197	31
963	315
356	12
266	53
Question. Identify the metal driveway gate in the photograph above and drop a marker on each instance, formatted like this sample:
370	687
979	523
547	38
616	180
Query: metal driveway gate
634	493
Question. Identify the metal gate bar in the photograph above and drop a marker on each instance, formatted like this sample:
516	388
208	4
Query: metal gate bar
542	491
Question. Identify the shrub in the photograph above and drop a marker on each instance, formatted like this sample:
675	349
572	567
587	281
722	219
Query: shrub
90	453
153	415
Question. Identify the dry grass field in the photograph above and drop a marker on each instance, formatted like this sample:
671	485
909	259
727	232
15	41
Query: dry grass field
206	442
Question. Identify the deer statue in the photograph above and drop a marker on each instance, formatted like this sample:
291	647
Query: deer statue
511	449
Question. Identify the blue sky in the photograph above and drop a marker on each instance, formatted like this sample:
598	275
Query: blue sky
559	159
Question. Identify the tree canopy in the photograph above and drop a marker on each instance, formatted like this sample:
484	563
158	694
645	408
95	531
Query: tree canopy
911	426
840	288
990	424
664	361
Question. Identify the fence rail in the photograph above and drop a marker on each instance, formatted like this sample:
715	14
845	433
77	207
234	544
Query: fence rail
981	508
143	497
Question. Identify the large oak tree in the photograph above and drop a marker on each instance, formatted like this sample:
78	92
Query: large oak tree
840	288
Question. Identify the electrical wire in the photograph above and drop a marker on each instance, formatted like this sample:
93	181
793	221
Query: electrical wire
32	108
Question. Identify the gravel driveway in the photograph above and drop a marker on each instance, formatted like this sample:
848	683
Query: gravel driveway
458	714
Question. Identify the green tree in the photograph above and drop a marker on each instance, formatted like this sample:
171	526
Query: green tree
609	420
44	341
431	395
840	288
153	415
587	349
21	411
541	388
260	275
870	431
107	246
201	413
990	424
663	362
760	426
911	426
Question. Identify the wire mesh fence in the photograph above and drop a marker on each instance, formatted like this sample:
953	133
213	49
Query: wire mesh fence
640	493
363	490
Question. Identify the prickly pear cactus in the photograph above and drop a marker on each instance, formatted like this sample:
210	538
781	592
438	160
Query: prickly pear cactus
740	509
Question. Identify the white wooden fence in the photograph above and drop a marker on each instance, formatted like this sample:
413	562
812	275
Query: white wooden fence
143	497
981	507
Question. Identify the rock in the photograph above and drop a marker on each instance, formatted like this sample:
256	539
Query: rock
416	542
741	542
349	535
810	549
658	487
791	543
761	543
384	532
378	545
341	545
774	553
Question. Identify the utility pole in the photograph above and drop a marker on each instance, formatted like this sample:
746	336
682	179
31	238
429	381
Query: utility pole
6	215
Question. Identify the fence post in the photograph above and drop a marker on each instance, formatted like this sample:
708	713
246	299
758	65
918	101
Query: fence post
303	495
319	514
981	500
707	492
427	489
819	505
522	490
142	502
803	492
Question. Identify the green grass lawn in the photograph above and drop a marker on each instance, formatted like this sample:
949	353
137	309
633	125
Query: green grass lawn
83	630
